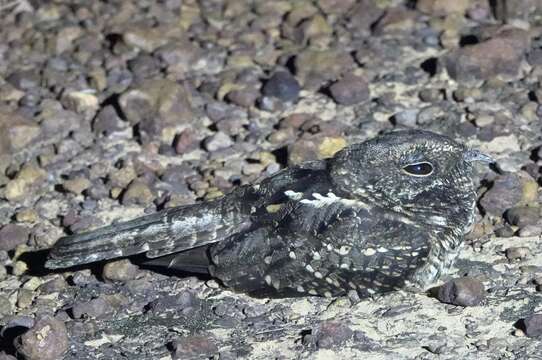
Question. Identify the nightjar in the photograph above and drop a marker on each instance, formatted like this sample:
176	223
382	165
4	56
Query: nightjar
384	214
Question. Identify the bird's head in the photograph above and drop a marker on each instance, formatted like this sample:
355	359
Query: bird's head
413	171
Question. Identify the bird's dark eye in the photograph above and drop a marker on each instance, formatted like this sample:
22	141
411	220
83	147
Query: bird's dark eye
423	168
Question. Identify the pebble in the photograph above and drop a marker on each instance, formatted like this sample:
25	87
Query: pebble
3	272
406	118
77	185
505	193
523	215
6	307
283	86
533	325
19	187
217	141
350	90
463	291
107	121
517	253
332	333
443	7
16	131
12	235
138	193
95	308
120	270
499	56
82	102
314	148
530	230
155	105
145	38
195	347
46	340
315	67
27	216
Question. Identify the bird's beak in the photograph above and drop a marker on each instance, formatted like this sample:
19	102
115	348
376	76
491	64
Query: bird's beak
472	155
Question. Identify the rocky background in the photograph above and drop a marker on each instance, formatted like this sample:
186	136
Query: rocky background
112	109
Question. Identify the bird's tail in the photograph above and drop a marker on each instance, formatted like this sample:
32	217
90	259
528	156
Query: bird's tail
159	234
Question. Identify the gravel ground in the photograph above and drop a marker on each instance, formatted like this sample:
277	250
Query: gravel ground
112	109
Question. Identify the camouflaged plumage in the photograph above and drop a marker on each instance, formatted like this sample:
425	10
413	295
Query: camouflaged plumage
380	215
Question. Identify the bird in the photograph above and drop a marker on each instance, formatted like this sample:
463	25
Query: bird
385	214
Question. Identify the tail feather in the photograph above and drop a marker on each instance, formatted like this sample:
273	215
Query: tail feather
159	234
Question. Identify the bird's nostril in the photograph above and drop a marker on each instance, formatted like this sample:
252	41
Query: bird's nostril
475	155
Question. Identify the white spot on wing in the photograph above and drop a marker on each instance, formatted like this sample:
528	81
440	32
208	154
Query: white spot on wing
438	220
293	195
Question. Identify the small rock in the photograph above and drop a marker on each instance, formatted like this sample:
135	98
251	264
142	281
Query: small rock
3	272
121	270
27	215
12	235
442	7
24	79
123	176
46	340
217	141
245	97
185	142
533	325
505	231
19	268
19	187
195	347
505	193
517	253
16	132
94	308
314	148
77	185
156	105
148	39
464	291
107	121
350	90
138	192
501	144
329	146
25	298
55	285
484	120
316	67
406	117
523	215
530	230
332	333
498	56
283	86
6	307
82	102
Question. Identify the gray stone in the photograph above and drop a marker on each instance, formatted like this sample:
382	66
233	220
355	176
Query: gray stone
283	86
533	325
121	270
350	90
464	291
46	340
505	193
523	215
12	235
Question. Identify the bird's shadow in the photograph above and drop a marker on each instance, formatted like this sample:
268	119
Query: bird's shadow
36	260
